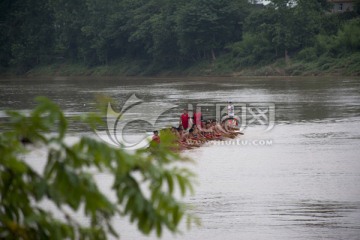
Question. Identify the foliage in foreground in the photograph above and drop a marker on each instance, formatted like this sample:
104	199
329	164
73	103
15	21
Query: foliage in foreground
144	183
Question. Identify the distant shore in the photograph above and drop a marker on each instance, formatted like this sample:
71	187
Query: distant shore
345	66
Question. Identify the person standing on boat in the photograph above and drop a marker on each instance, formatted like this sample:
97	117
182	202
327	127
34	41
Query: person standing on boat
198	118
184	120
230	110
231	120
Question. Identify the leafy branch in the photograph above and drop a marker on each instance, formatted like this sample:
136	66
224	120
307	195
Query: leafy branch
67	181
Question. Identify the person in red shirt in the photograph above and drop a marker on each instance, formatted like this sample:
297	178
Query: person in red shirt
198	118
156	137
184	120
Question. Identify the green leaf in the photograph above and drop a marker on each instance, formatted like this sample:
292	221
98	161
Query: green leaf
170	182
112	230
158	229
16	166
41	188
181	184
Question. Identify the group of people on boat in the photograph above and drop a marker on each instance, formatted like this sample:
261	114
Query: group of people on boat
193	131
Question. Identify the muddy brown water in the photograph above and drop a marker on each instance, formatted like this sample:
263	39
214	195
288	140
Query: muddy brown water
298	180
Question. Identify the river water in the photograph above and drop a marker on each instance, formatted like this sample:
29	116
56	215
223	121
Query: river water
295	174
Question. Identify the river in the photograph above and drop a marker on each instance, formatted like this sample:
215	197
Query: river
295	174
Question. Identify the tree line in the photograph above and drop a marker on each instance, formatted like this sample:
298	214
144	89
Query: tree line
170	33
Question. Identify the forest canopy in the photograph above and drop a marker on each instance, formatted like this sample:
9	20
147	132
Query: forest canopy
170	33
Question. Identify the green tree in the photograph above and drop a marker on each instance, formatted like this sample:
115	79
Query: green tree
253	49
288	26
27	33
349	36
5	29
69	18
151	30
67	181
270	23
346	41
95	48
205	27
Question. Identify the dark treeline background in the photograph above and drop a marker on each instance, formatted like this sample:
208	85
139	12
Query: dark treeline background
169	33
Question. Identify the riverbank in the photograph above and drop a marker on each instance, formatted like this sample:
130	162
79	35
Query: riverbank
223	66
281	184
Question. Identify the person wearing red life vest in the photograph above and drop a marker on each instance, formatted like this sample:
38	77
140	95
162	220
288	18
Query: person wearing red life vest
198	118
184	120
156	137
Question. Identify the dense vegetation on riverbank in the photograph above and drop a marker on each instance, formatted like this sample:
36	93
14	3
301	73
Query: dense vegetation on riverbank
197	37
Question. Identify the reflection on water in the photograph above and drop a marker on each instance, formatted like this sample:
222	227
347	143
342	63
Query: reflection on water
304	185
296	99
310	219
317	213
